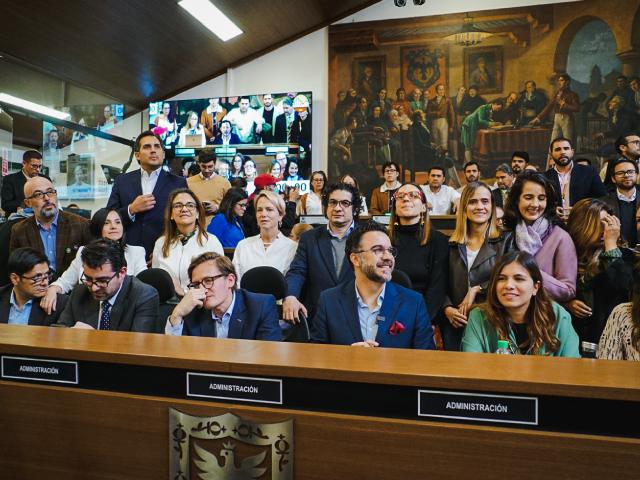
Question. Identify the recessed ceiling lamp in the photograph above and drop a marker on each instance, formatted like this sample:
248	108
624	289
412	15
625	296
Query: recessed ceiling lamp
212	18
33	107
468	34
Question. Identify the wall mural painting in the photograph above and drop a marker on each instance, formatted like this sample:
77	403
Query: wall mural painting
406	91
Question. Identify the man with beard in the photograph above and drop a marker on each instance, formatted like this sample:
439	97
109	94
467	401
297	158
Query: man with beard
282	133
54	233
571	182
371	311
268	113
245	121
471	172
530	102
519	161
624	199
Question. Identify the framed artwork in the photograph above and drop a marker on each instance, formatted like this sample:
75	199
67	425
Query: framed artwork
424	67
369	75
483	68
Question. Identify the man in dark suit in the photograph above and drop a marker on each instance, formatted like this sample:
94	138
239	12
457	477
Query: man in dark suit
20	301
504	180
55	233
13	185
370	311
320	261
215	307
141	195
109	299
282	129
226	136
624	198
571	182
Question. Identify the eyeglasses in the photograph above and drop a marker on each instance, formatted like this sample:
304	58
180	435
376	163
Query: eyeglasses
100	282
38	195
636	142
343	203
390	170
379	251
625	173
242	205
41	277
189	206
408	195
207	282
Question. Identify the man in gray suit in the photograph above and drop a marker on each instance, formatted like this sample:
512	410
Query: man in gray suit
109	299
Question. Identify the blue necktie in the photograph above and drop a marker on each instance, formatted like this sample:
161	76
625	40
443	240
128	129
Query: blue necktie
105	318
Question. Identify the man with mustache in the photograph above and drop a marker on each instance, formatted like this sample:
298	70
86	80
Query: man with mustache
50	231
571	182
371	311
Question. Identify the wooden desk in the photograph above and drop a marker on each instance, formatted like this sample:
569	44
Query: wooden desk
355	410
494	147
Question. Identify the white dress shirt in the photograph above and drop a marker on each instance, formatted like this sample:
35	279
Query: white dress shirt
251	253
441	202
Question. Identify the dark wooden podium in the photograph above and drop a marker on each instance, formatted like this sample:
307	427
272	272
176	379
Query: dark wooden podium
101	412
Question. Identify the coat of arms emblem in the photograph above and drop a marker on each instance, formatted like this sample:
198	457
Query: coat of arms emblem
227	447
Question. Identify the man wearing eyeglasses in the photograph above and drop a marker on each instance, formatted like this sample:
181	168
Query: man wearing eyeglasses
624	199
20	301
55	233
108	298
13	185
371	311
214	306
320	261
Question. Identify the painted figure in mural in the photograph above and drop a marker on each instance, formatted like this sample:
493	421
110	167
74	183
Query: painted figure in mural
623	90
473	101
416	101
368	84
441	116
619	121
530	102
564	104
509	113
481	75
635	88
481	118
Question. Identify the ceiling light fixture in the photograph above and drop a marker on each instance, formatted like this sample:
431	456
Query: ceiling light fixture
33	107
468	34
212	18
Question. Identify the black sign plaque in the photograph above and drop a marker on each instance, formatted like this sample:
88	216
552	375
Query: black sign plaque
39	369
229	387
479	407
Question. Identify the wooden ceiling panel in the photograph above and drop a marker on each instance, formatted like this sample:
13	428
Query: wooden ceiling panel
137	51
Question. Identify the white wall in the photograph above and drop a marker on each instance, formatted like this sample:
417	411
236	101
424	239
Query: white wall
304	63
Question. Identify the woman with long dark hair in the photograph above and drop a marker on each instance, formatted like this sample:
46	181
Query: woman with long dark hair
519	311
237	165
530	213
227	224
292	170
311	202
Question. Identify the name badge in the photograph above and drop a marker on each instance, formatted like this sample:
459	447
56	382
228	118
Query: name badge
41	370
228	387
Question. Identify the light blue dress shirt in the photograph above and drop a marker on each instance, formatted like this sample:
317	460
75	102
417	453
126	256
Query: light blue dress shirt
369	318
222	324
17	315
49	240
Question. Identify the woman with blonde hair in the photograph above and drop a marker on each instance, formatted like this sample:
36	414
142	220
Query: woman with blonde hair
192	127
519	311
270	247
474	248
605	269
185	237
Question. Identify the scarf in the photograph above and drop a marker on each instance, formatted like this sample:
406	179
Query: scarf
529	238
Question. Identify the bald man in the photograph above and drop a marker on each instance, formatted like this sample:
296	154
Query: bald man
56	234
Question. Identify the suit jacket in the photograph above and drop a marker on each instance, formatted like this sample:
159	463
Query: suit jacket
234	140
280	129
337	320
301	131
38	316
312	269
211	122
254	317
585	183
13	191
629	223
497	197
72	232
135	309
147	226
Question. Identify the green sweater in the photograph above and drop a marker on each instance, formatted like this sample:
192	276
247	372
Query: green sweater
481	336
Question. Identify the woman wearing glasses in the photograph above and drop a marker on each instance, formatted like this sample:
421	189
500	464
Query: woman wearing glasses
474	248
423	252
185	236
270	247
311	203
106	224
227	224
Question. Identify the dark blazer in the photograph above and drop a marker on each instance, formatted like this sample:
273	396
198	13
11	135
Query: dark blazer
312	270
147	227
254	317
235	139
135	310
301	131
38	316
497	197
280	129
72	232
585	183
629	223
337	320
13	191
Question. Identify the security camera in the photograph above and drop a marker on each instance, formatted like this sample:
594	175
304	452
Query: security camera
399	3
417	3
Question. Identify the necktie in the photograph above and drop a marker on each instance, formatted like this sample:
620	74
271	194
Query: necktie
105	318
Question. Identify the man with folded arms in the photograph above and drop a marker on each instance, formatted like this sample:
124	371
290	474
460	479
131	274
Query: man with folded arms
214	306
371	311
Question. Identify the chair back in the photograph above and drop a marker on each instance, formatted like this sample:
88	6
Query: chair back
401	278
161	281
298	332
265	279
